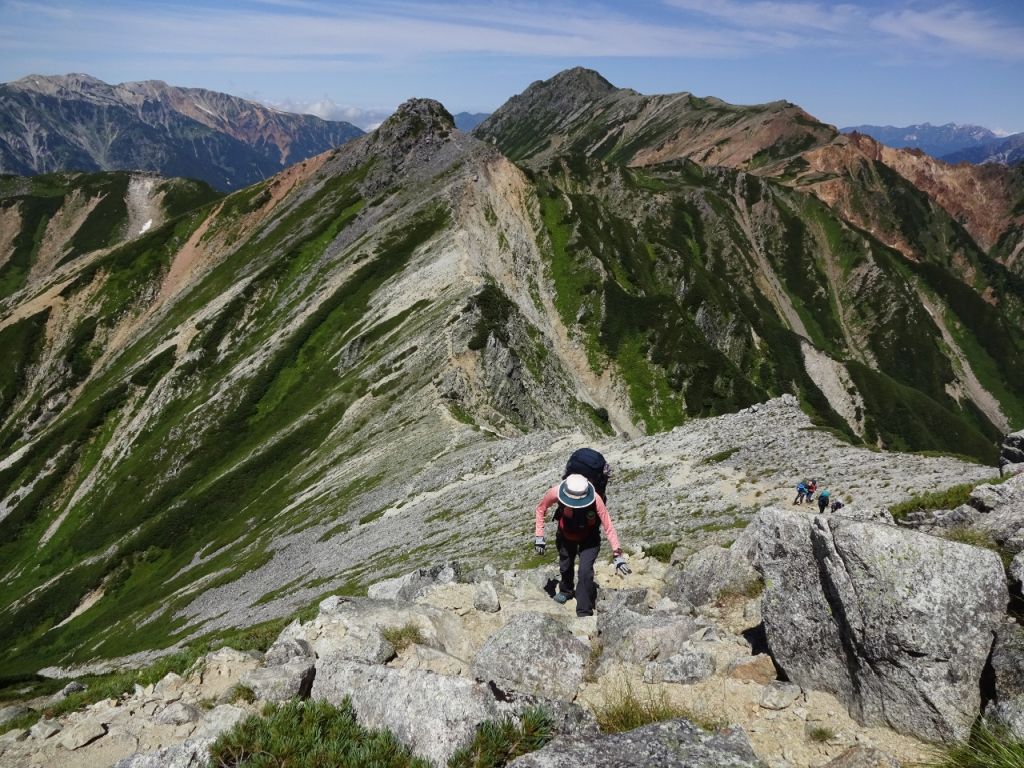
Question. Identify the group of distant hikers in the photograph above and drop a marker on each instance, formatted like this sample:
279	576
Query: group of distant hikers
580	502
805	495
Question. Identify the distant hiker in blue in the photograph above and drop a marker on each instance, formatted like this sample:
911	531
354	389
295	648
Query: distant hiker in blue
801	493
823	500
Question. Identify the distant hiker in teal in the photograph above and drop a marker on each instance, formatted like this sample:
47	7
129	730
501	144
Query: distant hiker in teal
823	499
581	514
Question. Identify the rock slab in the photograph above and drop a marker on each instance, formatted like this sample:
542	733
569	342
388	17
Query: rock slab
897	624
536	654
670	744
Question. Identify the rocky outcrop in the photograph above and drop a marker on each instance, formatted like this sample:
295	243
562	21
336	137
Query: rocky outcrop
1001	512
671	744
897	624
1012	451
714	571
535	654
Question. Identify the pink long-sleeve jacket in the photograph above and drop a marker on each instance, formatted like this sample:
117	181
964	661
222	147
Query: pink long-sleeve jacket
551	499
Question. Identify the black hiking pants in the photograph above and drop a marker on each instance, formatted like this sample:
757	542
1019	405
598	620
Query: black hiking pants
587	551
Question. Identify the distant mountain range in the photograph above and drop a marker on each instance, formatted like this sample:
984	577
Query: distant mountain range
79	123
951	142
467	121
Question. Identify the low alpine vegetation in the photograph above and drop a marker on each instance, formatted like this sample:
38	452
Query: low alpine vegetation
821	734
298	734
662	551
402	637
986	748
499	742
630	710
945	499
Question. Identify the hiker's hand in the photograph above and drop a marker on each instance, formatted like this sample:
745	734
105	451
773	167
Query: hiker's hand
538	545
621	566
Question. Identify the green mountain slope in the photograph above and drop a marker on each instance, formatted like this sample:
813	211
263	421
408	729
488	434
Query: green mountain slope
223	415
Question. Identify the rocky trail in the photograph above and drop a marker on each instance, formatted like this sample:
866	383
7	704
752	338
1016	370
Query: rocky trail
811	640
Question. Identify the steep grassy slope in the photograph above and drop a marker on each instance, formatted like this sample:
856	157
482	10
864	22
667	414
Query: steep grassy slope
255	366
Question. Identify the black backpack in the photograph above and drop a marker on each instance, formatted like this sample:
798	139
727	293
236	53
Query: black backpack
590	464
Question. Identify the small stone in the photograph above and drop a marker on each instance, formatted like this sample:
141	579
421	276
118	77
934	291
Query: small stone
12	712
81	733
44	729
486	598
178	713
169	688
779	695
757	669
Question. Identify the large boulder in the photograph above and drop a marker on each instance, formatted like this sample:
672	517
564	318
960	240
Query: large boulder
633	637
1002	511
713	571
1013	449
536	654
432	714
281	682
411	585
896	624
1007	708
669	744
351	627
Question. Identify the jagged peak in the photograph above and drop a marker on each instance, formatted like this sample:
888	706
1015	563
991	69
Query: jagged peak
417	118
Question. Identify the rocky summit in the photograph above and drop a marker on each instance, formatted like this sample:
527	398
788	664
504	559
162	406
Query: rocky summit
321	409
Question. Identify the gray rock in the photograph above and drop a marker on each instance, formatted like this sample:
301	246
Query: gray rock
714	570
44	729
863	757
486	598
284	650
169	687
178	713
1008	470
73	687
219	719
431	714
282	682
1013	449
669	744
411	585
1008	661
1016	571
779	695
12	712
533	653
630	597
638	638
1002	511
84	731
866	514
689	665
897	624
194	753
1008	714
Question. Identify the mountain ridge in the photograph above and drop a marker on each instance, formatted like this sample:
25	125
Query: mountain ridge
224	140
240	406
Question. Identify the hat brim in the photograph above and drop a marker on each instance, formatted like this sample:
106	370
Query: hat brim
576	502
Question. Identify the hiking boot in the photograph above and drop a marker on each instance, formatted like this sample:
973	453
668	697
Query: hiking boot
563	597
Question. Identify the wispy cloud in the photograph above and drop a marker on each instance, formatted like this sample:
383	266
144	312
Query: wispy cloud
953	27
365	118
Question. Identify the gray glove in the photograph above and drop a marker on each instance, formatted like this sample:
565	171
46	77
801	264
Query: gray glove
538	545
621	567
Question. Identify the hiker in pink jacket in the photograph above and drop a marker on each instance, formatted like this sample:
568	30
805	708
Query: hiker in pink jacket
578	513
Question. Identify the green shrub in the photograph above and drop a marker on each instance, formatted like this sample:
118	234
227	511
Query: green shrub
986	748
496	743
719	457
662	551
402	637
314	734
630	711
821	734
947	498
242	693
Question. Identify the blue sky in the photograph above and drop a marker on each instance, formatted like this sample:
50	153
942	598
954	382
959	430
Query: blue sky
862	61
